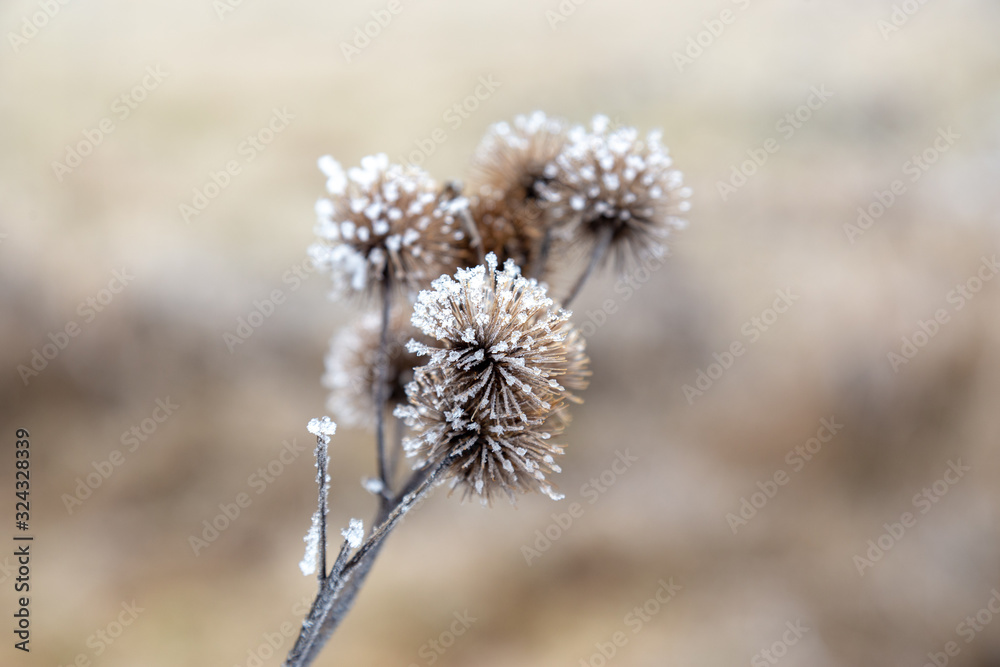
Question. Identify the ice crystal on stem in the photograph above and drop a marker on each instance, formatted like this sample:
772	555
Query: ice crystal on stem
310	560
322	428
354	533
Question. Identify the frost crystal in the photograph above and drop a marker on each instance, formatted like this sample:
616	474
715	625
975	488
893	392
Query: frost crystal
385	224
373	485
354	533
495	390
309	561
322	427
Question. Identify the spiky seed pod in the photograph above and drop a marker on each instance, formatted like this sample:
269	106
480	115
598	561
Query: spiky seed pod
510	170
615	185
488	394
385	225
352	366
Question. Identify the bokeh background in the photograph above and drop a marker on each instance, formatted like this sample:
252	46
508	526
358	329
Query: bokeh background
227	67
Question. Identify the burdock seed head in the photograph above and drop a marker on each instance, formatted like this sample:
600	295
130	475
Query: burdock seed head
385	225
352	366
510	170
615	185
488	397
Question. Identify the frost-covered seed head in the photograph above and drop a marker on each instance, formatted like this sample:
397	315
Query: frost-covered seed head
387	225
611	179
489	394
352	365
512	165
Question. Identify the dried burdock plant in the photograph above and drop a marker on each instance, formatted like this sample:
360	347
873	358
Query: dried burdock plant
495	361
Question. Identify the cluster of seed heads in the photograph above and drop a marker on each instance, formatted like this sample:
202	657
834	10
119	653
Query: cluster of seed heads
492	359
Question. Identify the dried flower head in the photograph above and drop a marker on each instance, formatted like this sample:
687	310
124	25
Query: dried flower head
352	363
385	225
618	187
488	396
510	172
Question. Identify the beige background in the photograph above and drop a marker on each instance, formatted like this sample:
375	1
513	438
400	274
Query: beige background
664	517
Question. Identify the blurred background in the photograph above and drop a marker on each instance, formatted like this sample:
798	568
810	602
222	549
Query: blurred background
816	500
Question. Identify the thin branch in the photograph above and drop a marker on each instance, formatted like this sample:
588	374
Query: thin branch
336	594
596	257
403	504
473	232
381	387
396	451
322	464
542	256
314	621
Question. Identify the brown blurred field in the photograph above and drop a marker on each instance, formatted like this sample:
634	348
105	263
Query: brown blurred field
665	516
